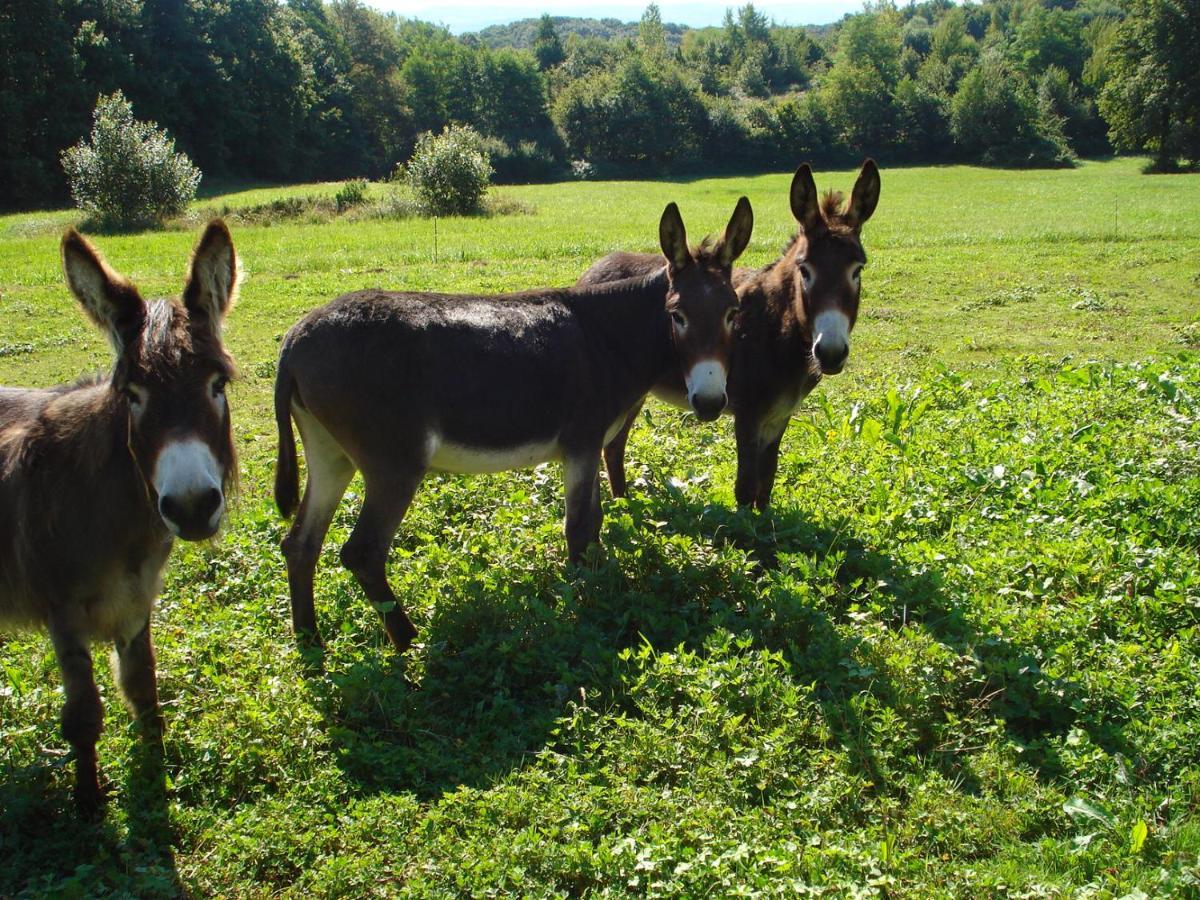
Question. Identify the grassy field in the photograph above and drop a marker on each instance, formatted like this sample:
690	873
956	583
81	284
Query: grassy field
959	657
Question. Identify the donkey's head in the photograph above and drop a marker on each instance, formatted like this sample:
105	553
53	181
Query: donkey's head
828	256
170	375
702	303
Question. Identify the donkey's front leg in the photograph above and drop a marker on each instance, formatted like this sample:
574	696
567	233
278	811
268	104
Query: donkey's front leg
135	673
82	715
582	475
746	429
768	464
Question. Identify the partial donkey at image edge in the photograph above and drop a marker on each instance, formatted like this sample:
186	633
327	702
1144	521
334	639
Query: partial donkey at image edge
98	477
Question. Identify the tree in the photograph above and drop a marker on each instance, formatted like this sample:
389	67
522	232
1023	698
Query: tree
547	47
652	37
1151	98
994	119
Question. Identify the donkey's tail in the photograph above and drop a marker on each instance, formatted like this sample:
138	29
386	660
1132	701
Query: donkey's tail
287	475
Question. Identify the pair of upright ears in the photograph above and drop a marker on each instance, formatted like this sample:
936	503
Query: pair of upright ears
113	302
672	237
806	204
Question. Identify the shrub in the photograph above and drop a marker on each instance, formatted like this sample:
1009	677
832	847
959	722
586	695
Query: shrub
351	193
522	162
995	120
449	172
128	173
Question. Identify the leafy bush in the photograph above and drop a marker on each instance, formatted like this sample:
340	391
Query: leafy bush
449	172
128	173
351	193
522	162
995	118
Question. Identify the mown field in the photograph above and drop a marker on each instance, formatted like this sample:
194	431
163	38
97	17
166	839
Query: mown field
959	657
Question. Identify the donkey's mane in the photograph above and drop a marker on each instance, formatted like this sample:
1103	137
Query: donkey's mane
167	337
706	253
833	214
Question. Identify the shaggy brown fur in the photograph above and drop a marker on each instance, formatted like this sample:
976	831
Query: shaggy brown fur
82	541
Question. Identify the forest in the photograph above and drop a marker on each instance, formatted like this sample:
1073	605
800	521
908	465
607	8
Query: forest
259	90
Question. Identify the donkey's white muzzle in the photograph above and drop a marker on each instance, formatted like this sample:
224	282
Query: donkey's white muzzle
187	480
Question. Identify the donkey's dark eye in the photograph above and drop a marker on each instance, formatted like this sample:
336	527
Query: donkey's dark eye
729	317
679	319
218	385
133	396
807	273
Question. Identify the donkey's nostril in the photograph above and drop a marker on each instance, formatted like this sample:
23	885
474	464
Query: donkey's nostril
207	504
708	408
170	508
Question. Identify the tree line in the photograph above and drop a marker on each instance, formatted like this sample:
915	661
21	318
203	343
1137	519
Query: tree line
306	89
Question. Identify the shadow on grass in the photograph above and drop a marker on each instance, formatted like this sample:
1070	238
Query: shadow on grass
499	664
74	856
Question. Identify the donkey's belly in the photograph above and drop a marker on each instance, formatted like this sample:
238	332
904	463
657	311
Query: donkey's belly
448	456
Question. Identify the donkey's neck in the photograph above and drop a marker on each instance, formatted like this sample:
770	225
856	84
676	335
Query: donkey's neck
627	322
772	291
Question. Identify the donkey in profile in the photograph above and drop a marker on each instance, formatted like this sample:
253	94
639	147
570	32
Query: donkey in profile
97	478
398	384
793	326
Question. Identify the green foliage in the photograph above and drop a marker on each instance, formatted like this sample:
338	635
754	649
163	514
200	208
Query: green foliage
642	115
449	172
127	173
994	116
959	657
334	90
1151	95
548	48
351	193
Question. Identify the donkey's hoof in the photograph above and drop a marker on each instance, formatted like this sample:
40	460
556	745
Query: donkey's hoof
90	800
400	636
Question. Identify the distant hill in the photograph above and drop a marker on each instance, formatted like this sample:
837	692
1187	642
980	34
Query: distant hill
521	34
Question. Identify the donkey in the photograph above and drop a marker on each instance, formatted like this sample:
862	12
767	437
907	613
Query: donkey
98	477
793	326
398	384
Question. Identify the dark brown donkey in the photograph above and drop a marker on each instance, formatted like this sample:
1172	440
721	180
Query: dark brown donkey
98	477
398	384
793	326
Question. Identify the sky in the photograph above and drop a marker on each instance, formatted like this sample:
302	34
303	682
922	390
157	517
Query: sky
472	15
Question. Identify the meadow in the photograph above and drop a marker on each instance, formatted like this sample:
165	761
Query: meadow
958	657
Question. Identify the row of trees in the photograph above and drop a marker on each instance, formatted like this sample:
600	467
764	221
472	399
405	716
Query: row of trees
314	89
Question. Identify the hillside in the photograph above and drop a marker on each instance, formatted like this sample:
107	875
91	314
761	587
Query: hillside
521	34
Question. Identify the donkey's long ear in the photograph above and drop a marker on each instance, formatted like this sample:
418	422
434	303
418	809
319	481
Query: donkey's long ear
212	282
737	234
672	237
805	205
109	299
865	196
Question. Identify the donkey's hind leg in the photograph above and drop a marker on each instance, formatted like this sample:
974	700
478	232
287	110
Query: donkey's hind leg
614	456
329	473
365	554
83	715
584	515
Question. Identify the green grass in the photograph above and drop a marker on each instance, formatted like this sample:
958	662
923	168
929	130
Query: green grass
958	657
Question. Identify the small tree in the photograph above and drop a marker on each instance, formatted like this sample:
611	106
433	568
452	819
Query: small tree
449	172
128	173
547	46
